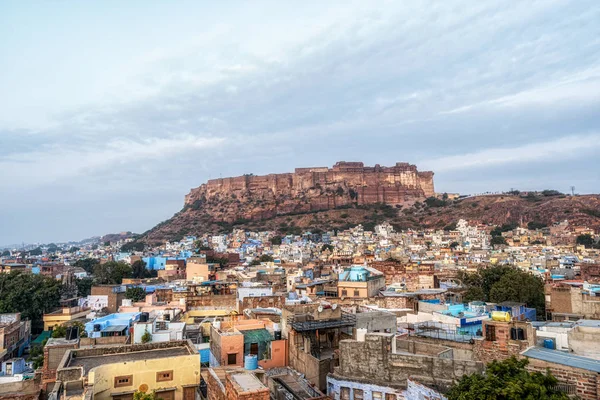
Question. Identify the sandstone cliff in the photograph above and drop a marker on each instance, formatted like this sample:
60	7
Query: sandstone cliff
311	189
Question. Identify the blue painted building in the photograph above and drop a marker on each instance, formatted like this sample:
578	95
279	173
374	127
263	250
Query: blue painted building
116	324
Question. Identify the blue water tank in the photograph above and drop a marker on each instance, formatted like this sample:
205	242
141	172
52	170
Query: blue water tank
251	362
549	344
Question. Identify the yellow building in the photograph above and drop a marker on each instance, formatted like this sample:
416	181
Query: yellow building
64	316
171	369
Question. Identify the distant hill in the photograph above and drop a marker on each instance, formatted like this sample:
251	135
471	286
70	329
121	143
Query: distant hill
115	237
224	212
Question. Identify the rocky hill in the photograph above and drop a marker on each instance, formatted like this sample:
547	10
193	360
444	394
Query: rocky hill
320	199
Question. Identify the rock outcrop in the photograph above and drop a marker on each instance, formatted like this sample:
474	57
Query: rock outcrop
312	189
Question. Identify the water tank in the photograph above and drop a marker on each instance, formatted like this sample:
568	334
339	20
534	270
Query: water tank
292	295
501	316
144	317
217	324
513	333
549	344
166	316
97	327
361	333
251	362
127	303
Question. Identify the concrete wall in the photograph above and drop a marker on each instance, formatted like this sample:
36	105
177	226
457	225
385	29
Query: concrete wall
585	341
186	371
373	361
376	321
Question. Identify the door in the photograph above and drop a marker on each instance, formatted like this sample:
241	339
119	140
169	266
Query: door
166	395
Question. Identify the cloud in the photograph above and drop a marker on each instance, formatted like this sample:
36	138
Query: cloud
565	148
162	106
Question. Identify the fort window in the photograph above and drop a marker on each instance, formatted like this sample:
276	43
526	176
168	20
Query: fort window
164	376
356	293
344	292
358	394
126	380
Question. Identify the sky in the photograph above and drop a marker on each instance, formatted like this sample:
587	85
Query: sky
111	111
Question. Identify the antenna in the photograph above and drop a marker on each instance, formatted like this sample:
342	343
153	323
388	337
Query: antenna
572	190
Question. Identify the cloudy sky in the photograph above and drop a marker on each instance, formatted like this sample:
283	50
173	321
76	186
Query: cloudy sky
111	111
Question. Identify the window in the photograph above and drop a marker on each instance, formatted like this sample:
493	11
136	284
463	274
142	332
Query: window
345	393
358	394
377	396
164	376
189	393
231	359
490	333
390	396
126	380
344	292
356	293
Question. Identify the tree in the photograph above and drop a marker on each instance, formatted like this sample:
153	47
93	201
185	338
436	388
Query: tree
139	270
87	264
497	240
112	272
535	225
450	227
36	354
508	380
586	240
266	258
84	286
327	247
59	331
132	246
36	252
6	253
454	245
503	283
276	240
31	295
147	336
135	293
74	249
145	396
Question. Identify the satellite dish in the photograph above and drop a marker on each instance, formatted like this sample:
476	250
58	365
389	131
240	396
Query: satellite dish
320	309
143	388
333	306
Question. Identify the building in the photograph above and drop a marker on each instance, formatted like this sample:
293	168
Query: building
234	384
15	335
378	366
10	267
314	331
106	298
117	324
64	316
161	327
232	341
198	270
359	281
171	369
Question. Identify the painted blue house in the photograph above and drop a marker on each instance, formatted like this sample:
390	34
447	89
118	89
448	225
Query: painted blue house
116	324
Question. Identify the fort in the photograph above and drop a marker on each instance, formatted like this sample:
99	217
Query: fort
321	188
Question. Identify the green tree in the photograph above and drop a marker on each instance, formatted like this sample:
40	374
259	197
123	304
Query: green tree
74	249
84	286
133	246
503	283
586	240
112	272
139	270
450	227
87	264
6	253
36	355
266	258
31	295
327	247
276	240
497	240
147	336
36	252
454	245
135	293
146	396
59	331
508	380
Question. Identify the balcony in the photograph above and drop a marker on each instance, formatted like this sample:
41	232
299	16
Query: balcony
301	324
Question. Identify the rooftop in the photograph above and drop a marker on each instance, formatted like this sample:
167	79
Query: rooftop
101	359
559	357
247	381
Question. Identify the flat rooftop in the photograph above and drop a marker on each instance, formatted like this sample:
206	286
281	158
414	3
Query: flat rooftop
94	361
247	381
563	358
